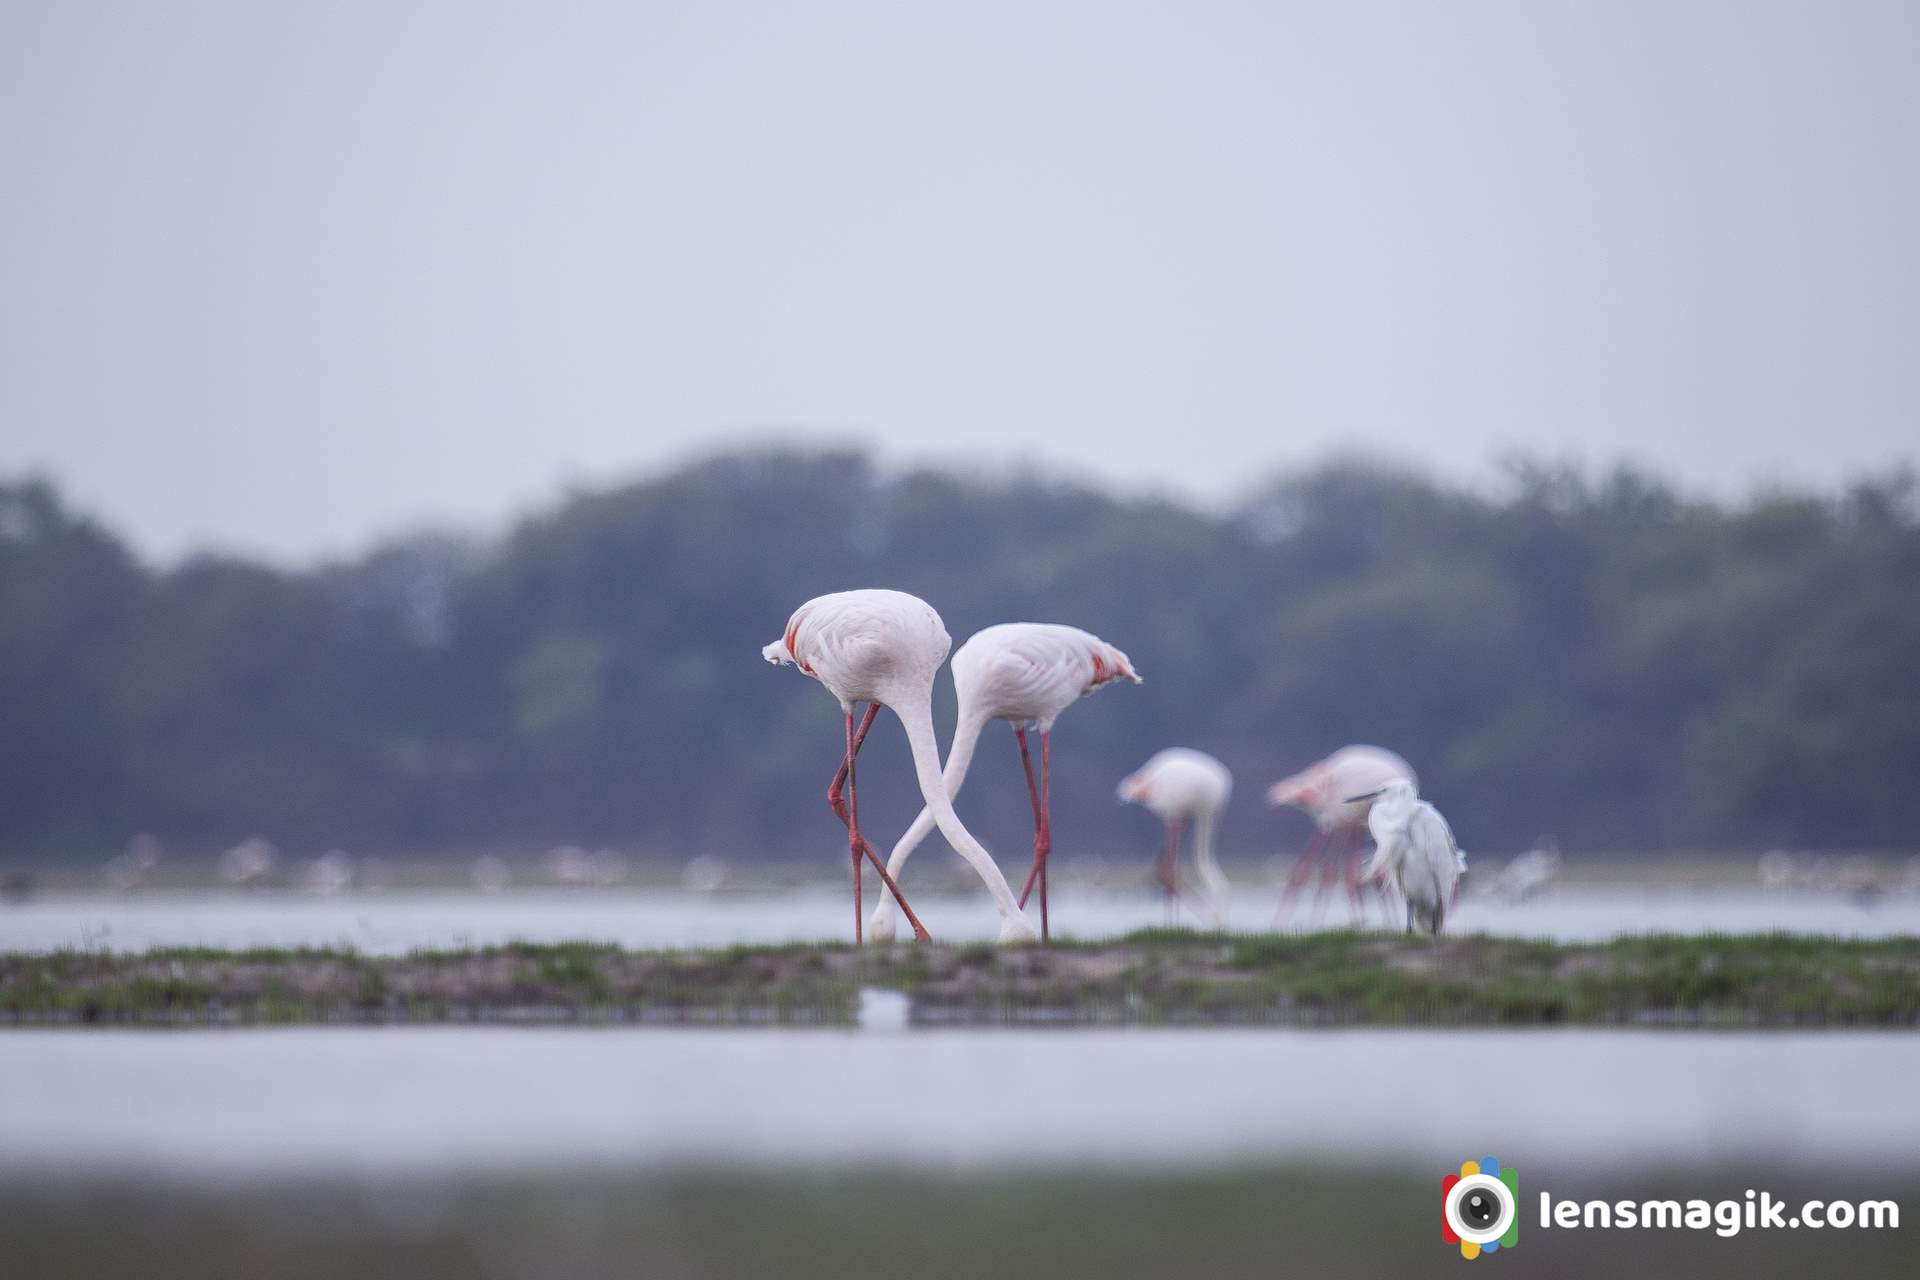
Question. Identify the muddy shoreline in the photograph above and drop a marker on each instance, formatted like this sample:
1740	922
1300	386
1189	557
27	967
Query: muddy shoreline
1153	978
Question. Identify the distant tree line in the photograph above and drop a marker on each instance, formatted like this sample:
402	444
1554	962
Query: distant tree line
1595	657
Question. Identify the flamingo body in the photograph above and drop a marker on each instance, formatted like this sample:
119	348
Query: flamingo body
865	646
1323	789
1178	783
1029	672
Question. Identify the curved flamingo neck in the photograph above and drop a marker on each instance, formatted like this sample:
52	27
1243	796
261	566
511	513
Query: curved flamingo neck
916	717
1208	867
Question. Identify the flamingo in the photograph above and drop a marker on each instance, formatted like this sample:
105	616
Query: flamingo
884	647
1023	673
1321	791
1180	785
1414	850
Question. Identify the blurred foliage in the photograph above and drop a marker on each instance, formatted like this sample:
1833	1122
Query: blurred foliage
1597	657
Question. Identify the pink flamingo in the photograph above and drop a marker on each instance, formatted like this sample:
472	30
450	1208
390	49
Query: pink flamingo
1337	793
1180	785
1023	673
883	647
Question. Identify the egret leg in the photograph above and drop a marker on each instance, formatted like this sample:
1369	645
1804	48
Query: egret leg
1042	822
845	814
1302	869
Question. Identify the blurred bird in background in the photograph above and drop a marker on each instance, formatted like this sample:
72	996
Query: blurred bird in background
1182	786
1324	791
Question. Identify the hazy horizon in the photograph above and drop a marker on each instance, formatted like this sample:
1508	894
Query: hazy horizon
286	280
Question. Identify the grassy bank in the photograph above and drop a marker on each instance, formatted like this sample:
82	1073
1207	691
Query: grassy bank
1156	977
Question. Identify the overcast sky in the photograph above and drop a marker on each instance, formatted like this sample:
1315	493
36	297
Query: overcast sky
284	277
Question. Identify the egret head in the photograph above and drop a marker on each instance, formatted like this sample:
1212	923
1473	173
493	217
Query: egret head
1396	798
1398	788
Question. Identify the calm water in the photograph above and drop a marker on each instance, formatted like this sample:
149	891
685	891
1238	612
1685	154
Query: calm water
358	1101
395	922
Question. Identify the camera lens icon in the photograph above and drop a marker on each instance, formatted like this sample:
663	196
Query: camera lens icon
1480	1207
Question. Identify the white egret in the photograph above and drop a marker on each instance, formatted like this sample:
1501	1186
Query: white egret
1414	851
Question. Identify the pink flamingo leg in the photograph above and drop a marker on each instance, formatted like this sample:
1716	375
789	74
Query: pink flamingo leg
1302	870
1168	871
1344	870
1329	869
1042	822
853	829
1340	848
1356	901
841	811
1046	821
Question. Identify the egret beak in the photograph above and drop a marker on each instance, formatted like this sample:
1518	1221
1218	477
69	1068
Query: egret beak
1361	799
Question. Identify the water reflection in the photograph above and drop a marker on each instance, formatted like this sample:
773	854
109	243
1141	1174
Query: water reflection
303	1102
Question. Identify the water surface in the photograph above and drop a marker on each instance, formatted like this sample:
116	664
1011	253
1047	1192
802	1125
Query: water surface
395	922
332	1101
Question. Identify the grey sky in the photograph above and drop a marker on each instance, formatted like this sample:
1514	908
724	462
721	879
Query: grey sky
282	277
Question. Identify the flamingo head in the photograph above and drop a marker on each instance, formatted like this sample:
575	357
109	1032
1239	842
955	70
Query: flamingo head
1303	790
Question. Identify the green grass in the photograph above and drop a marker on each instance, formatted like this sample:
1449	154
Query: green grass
1157	976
